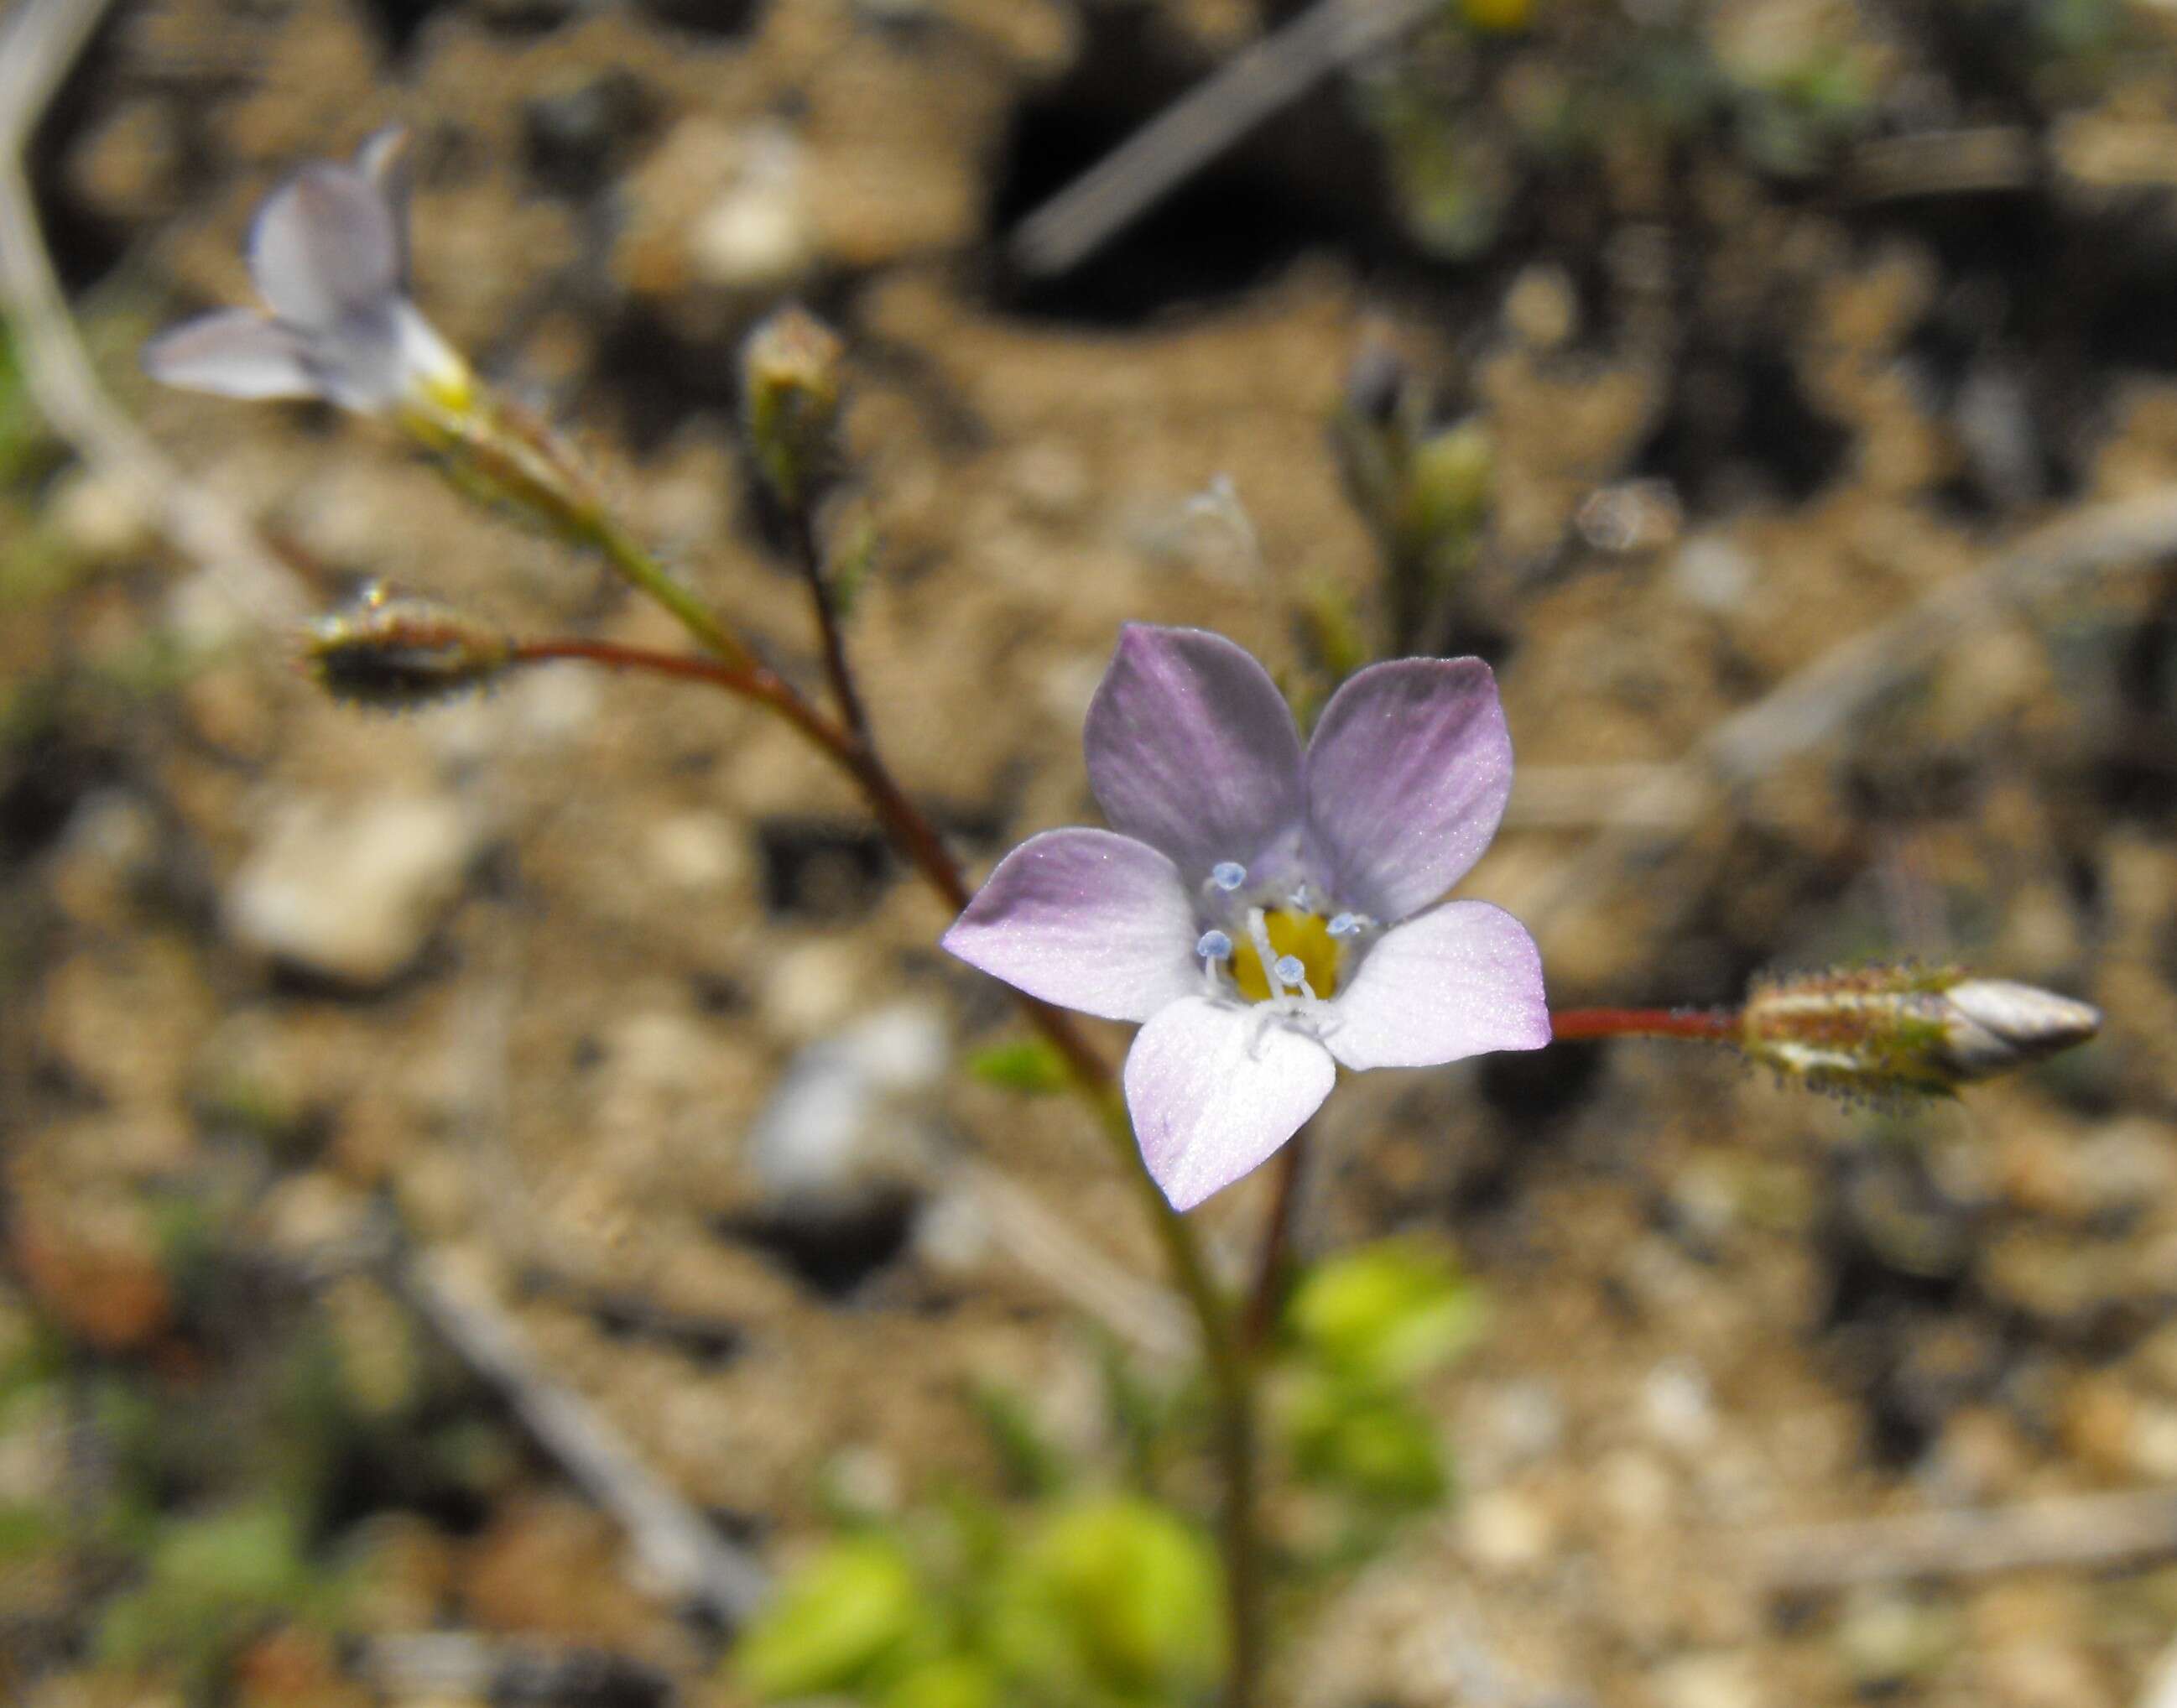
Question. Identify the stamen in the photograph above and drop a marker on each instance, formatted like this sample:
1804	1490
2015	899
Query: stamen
1289	970
1259	933
1214	946
1227	875
1346	925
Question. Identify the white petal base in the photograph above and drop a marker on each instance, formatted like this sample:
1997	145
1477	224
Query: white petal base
1215	1087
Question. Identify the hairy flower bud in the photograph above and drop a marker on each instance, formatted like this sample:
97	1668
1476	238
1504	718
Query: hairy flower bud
396	651
1882	1030
790	401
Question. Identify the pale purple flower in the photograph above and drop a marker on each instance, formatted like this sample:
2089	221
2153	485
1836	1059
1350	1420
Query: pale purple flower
329	253
1268	913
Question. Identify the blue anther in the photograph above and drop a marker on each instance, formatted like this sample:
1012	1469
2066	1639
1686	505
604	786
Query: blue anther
1214	946
1289	970
1344	925
1227	875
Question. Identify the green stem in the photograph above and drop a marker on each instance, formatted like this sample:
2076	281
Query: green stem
1231	1377
641	570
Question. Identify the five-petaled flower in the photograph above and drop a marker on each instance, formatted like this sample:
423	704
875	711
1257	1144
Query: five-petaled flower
1269	913
329	253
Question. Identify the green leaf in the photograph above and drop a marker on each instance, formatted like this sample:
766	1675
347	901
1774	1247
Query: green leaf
957	1681
835	1622
1381	1449
1386	1315
1117	1598
1034	1463
1029	1065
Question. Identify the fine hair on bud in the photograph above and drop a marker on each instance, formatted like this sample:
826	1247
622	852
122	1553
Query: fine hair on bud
396	652
1882	1032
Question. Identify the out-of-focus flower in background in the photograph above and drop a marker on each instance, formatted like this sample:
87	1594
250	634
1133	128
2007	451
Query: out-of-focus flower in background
329	253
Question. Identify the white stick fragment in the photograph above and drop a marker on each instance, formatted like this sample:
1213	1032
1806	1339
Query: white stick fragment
1202	124
2077	1530
676	1543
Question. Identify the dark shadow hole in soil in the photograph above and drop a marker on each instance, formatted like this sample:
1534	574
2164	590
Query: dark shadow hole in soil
1735	413
84	245
834	1253
1899	1325
657	380
822	869
1534	1089
713	20
1310	179
40	783
2136	776
397	21
631	1316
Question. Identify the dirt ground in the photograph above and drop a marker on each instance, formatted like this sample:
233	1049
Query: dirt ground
1721	1310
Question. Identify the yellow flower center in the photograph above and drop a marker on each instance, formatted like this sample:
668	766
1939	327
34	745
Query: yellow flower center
1305	937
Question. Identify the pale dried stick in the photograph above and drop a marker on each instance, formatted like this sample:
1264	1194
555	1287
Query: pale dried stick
1202	124
2089	1531
676	1543
1815	703
1148	1317
39	41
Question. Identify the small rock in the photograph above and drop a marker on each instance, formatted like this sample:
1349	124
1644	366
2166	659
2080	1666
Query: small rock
97	518
1541	308
1887	1640
841	1131
1713	573
350	892
1707	1681
755	236
813	987
1676	1405
698	853
1507	1529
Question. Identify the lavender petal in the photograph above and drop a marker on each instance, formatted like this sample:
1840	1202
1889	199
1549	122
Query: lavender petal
1192	748
1455	981
232	353
1086	919
324	250
1406	780
384	159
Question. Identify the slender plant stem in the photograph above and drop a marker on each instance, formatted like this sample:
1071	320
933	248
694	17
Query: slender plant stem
1230	1371
809	553
1274	1257
636	565
1711	1025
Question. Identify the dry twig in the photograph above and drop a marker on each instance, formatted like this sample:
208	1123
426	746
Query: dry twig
2082	1530
1815	703
1202	124
683	1549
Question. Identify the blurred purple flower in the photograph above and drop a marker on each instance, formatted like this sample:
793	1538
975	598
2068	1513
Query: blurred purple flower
329	253
1268	913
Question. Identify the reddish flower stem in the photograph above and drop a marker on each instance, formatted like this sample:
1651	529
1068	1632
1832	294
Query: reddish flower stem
1712	1025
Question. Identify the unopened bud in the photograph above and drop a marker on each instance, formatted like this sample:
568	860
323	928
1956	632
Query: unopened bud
1882	1030
395	650
1447	486
1994	1025
790	401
